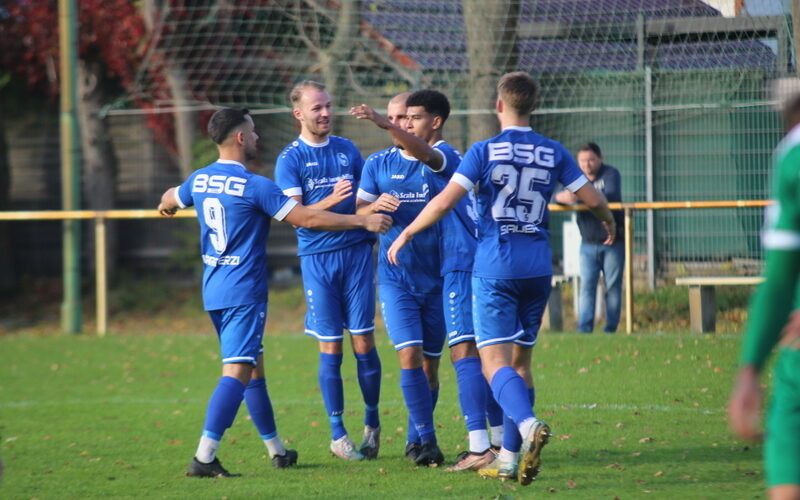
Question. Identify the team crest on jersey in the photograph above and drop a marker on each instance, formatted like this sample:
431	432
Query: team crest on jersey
343	161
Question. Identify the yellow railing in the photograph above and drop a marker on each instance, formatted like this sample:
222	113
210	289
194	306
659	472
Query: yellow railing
100	217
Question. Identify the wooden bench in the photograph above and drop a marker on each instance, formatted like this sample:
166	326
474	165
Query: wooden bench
702	299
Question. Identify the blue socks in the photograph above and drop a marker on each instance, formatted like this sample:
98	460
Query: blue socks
222	407
260	407
330	384
472	392
419	402
511	393
512	441
493	411
369	379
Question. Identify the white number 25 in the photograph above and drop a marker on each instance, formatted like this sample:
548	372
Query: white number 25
516	200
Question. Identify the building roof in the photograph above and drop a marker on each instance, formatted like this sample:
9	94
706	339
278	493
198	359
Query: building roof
432	33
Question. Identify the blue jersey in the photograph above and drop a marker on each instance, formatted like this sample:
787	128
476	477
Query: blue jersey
234	207
459	227
516	172
311	170
409	180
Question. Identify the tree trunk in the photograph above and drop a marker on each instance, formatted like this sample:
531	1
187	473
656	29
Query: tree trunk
332	57
99	159
492	51
8	277
185	121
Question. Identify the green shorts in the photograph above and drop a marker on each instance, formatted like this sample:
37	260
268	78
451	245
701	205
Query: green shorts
782	442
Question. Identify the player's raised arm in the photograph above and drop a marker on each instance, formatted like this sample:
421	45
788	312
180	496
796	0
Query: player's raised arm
433	212
329	221
594	199
413	145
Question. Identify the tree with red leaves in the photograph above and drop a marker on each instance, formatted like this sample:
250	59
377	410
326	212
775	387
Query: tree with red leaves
109	37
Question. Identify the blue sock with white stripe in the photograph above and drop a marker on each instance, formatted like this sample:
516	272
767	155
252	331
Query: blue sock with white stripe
417	395
260	408
512	440
471	392
220	414
369	379
223	405
510	391
330	384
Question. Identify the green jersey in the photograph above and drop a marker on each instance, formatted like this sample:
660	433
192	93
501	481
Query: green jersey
775	298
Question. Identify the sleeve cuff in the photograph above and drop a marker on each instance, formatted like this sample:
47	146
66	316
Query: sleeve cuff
366	196
178	198
462	181
577	183
444	162
294	191
285	209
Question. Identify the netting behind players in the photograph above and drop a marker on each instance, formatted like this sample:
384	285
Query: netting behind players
673	91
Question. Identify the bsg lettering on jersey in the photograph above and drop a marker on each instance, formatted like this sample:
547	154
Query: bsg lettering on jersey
216	184
526	154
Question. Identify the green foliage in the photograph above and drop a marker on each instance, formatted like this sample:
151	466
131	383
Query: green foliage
119	417
204	152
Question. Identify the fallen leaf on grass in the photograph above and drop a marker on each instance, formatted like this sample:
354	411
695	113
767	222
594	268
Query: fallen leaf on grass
658	474
571	484
564	436
646	440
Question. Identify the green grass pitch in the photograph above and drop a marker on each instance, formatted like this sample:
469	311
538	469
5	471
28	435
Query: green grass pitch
639	416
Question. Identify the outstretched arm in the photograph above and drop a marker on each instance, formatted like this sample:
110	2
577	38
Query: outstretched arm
415	146
323	220
341	191
433	212
384	203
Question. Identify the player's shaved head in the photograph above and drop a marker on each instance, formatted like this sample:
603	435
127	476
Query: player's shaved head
518	90
225	121
400	98
297	91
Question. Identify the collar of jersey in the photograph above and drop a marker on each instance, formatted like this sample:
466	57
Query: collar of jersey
405	155
313	144
231	162
521	129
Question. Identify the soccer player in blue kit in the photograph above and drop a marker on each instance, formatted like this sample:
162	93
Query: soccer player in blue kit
419	136
516	172
234	207
399	181
319	170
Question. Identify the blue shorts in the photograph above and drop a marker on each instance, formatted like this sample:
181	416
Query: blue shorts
240	331
500	306
340	292
457	302
413	319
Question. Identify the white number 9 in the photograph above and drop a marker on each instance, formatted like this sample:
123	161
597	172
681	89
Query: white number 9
214	215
